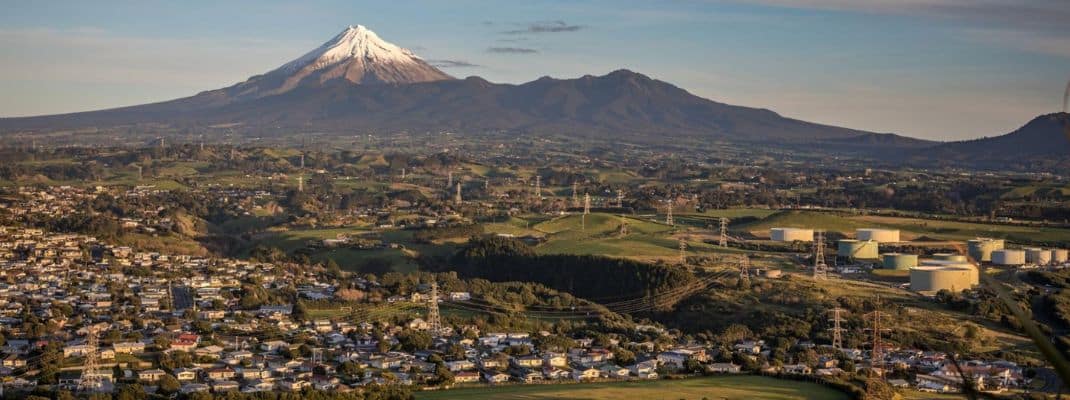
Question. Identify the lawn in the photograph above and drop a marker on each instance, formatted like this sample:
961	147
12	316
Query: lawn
722	387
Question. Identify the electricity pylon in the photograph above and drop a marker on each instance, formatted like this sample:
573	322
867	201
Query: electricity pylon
668	215
723	242
837	329
820	268
90	380
433	317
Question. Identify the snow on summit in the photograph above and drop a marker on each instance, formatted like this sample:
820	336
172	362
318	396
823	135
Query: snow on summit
354	42
356	55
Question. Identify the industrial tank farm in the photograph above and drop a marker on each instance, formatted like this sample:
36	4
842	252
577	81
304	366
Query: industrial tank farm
900	261
877	235
791	234
1037	256
949	257
932	278
981	249
857	249
1008	257
1058	256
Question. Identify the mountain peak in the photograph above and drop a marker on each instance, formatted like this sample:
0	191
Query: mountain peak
354	42
355	55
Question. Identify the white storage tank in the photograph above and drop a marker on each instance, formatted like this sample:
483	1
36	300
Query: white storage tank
929	279
1038	256
1058	256
877	235
900	261
857	249
949	257
791	234
1008	257
981	249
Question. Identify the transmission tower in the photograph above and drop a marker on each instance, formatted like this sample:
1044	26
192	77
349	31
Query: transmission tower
837	329
449	179
402	173
683	250
90	380
302	160
820	268
723	242
876	357
623	226
668	215
586	204
620	198
301	182
457	197
575	197
538	187
744	267
433	318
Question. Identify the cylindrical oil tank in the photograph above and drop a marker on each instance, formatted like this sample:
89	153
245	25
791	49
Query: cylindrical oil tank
934	278
791	234
981	249
857	249
1037	256
1008	257
877	235
1058	256
949	257
900	261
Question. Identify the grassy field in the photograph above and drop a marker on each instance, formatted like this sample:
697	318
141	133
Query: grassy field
910	227
724	387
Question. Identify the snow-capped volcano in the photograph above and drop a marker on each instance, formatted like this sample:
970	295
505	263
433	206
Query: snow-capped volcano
356	55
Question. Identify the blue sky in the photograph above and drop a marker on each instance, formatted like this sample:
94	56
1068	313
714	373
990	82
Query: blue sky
939	69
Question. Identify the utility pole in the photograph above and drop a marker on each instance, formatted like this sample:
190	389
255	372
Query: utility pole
837	329
538	187
302	160
820	268
402	173
449	179
90	381
433	318
300	182
723	242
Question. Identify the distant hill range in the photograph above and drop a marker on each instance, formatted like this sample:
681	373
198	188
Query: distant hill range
357	82
1042	144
